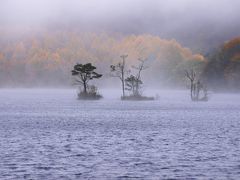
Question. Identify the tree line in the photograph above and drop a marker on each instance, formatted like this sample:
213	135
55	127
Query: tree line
45	58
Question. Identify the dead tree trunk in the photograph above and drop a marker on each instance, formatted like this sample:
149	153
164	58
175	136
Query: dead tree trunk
196	87
123	73
191	76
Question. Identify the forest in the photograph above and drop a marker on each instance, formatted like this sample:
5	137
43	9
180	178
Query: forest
45	59
222	72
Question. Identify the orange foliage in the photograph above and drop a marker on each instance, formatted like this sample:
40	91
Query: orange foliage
231	44
58	51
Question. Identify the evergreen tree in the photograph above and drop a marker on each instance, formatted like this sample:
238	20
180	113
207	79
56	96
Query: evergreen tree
83	73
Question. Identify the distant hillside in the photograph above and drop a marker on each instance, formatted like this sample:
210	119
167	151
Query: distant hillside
46	58
223	69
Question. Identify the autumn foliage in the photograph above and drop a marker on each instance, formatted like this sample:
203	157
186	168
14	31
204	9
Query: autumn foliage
46	58
223	68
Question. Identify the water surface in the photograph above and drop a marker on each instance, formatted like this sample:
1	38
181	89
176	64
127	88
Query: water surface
48	134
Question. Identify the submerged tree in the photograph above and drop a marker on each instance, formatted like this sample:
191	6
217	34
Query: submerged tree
83	73
120	71
198	91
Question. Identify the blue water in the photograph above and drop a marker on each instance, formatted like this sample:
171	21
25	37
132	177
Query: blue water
49	134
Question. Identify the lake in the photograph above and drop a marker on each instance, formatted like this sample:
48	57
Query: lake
49	134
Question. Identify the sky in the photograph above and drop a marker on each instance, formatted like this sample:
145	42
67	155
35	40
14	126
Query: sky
185	20
92	11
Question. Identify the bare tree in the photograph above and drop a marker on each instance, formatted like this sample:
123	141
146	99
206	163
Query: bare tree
119	71
134	82
191	76
198	90
139	69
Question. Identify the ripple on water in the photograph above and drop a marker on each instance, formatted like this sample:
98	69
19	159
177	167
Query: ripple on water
62	138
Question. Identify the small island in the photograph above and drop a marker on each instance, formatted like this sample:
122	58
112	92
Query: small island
82	74
132	83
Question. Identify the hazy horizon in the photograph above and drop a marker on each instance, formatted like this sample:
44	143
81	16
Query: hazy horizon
41	40
130	89
193	23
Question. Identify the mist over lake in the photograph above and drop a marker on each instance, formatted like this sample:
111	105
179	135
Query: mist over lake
130	89
49	134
